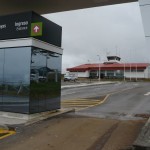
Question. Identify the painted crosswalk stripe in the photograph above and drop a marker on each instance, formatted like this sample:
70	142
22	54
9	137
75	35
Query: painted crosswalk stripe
5	133
78	104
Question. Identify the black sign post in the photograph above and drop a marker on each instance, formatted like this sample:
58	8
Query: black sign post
30	72
30	24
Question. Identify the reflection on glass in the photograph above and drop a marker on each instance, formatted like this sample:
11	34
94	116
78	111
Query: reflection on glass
1	77
16	79
45	80
30	80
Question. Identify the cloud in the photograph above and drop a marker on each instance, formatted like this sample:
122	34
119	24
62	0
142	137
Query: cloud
89	32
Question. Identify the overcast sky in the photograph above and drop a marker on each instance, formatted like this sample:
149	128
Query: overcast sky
108	30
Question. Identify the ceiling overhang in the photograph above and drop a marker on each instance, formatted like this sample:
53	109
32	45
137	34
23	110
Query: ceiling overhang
51	6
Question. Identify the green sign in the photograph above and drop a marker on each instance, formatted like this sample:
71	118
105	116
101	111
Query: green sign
36	29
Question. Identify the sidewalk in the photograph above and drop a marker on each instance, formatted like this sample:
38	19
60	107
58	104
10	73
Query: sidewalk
87	84
72	132
7	118
143	140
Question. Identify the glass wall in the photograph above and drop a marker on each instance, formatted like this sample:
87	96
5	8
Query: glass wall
45	86
119	74
30	80
1	76
15	79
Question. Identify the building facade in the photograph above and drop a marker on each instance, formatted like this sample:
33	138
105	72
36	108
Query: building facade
113	68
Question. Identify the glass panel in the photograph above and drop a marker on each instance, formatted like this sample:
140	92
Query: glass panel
93	74
1	76
119	74
16	79
45	80
53	81
110	74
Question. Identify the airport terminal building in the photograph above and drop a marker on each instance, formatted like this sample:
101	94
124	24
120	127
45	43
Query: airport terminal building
24	80
113	68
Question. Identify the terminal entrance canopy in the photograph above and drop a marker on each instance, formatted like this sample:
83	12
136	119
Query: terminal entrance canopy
51	6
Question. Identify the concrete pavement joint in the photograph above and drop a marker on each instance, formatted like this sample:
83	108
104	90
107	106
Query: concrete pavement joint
143	139
51	115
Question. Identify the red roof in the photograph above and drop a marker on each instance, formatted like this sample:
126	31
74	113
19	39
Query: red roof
114	66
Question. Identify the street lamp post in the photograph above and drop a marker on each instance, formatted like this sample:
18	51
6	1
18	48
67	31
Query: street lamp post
130	71
124	72
99	68
136	72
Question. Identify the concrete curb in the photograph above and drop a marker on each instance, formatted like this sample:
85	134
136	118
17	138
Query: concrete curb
15	119
86	84
48	115
4	127
143	139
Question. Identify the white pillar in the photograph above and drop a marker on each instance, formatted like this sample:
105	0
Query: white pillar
145	12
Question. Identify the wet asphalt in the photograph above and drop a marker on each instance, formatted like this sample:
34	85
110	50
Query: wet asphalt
125	100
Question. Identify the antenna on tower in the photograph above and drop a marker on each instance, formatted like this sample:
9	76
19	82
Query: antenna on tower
108	53
116	50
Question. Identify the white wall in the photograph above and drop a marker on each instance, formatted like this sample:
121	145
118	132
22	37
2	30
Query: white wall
135	75
81	74
145	12
147	72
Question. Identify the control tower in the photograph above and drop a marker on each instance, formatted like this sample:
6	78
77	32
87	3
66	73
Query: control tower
112	60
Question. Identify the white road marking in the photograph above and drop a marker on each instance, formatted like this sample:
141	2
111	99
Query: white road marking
148	93
68	93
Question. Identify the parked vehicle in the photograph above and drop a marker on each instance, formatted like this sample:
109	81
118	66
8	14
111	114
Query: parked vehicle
70	78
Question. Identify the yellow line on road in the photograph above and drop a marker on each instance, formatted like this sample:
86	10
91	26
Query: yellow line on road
5	133
81	104
101	102
87	103
83	100
76	102
77	107
70	101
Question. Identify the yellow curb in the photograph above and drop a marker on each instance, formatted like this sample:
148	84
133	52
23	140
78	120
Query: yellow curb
101	102
8	133
79	103
70	101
